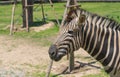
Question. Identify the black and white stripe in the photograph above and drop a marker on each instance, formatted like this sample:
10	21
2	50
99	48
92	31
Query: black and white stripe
99	20
102	41
98	35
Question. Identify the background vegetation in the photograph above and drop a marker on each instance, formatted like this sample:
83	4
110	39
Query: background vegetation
111	10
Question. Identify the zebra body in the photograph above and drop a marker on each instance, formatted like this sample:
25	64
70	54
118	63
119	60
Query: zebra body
99	36
104	45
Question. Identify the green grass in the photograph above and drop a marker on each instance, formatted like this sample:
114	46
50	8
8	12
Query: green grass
43	37
101	74
104	9
42	74
5	13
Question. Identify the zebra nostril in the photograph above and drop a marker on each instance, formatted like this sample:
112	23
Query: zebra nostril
52	53
52	50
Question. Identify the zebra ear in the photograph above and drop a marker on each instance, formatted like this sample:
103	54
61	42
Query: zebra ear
81	18
71	15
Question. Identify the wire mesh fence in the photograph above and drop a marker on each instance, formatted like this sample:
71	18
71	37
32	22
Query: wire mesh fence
104	9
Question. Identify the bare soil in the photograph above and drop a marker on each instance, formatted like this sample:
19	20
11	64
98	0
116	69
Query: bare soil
23	56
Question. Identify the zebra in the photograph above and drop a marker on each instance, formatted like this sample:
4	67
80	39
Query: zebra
99	36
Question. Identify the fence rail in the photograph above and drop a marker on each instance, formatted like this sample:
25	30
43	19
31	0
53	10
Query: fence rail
11	1
8	2
93	0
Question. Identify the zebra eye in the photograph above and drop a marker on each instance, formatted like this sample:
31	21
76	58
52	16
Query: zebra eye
70	32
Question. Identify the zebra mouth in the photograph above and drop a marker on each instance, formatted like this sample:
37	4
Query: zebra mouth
56	54
60	54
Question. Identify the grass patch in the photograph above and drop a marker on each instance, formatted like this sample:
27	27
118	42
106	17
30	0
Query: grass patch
43	37
101	8
5	14
102	74
4	32
43	74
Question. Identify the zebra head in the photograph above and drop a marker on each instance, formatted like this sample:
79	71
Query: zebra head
69	36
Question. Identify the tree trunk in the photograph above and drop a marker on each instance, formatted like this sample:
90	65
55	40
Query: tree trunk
30	12
27	13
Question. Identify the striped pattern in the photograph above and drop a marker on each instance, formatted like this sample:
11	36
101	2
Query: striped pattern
99	20
66	37
104	45
98	35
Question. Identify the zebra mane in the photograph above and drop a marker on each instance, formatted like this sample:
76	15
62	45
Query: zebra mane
115	25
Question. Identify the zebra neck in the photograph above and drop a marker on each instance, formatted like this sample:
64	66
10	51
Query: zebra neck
100	20
103	44
99	41
102	41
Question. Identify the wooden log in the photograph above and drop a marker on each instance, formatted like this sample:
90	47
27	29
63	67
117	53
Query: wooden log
71	54
26	12
23	14
65	13
70	6
12	18
30	12
72	3
6	2
29	6
43	14
35	5
49	69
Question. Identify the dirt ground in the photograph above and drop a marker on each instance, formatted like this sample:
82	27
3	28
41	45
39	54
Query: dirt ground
19	57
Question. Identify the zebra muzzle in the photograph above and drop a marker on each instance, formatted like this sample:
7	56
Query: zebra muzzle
52	51
56	54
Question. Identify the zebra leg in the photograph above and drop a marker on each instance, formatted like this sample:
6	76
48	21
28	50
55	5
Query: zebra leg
118	74
112	75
